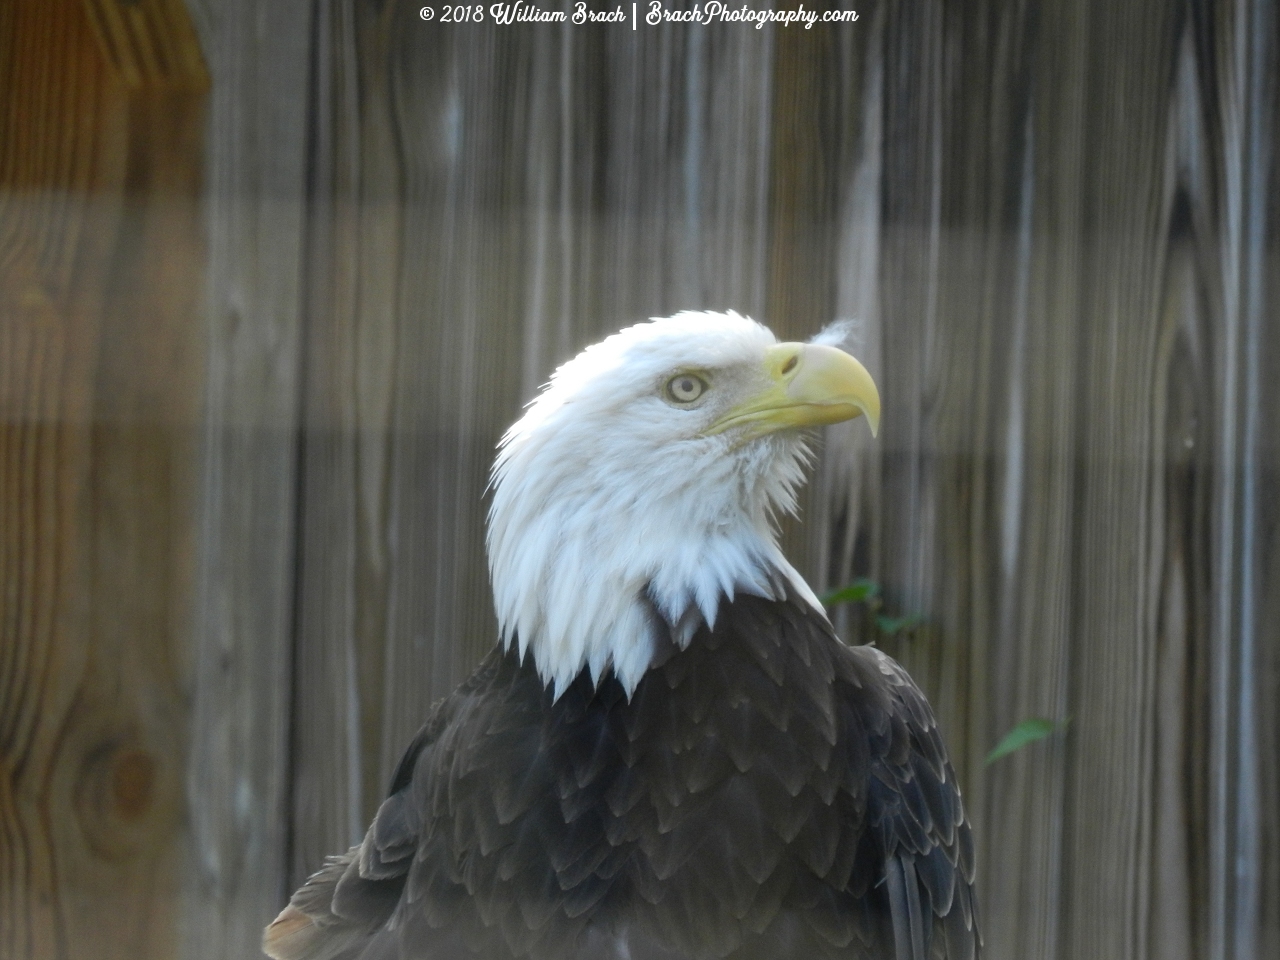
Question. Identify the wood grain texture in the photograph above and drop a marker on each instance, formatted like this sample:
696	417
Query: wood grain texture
149	43
1066	481
237	777
100	384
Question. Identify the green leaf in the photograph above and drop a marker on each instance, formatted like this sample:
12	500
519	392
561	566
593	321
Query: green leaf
892	625
1028	731
859	591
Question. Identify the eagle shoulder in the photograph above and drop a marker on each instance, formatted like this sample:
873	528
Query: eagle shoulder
767	792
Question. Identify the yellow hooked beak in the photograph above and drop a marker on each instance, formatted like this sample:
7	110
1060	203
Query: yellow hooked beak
810	385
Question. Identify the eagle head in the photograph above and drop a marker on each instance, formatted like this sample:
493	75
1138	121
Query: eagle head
641	485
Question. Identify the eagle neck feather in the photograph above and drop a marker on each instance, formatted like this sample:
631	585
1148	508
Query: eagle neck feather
584	579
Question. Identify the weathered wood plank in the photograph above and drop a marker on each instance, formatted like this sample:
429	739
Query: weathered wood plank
1066	491
100	385
238	782
352	341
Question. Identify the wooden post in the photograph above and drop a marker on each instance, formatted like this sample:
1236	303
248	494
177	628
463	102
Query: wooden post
101	124
239	768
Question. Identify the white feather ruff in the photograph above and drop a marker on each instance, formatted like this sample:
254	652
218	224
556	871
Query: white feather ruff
608	500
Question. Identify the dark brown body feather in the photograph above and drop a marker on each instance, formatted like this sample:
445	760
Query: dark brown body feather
766	793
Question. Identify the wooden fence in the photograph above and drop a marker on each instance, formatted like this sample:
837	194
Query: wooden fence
274	277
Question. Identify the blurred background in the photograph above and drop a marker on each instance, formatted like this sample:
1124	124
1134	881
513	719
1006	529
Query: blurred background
275	276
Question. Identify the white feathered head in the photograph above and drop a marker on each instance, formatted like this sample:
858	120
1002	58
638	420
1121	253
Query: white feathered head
643	482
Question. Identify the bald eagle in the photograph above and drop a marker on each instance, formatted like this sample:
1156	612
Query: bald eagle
669	754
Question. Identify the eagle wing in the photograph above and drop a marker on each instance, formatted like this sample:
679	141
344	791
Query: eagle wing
916	851
343	909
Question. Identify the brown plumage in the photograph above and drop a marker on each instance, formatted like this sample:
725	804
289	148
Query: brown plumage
767	792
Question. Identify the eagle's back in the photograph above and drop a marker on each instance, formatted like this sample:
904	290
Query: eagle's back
767	792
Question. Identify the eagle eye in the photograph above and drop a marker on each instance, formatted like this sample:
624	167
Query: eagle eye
685	387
